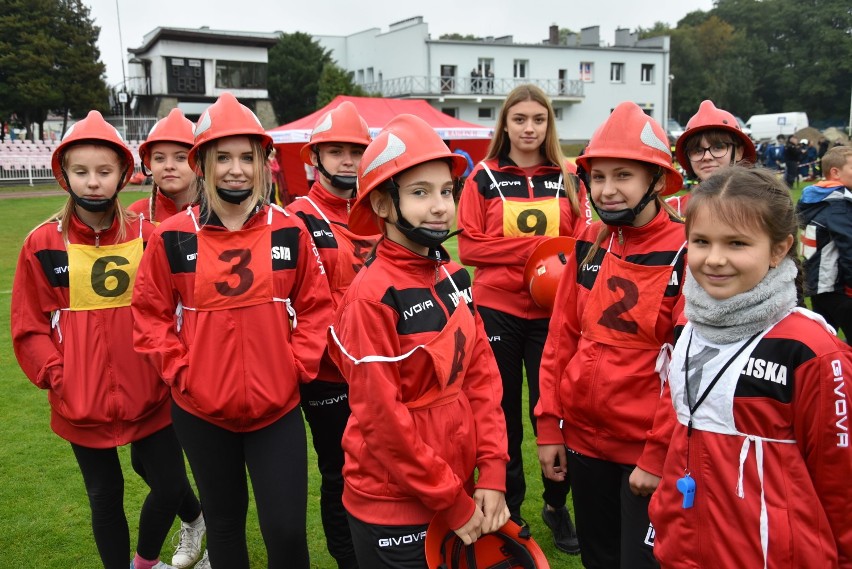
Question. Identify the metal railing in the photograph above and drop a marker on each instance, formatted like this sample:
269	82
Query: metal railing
28	168
414	85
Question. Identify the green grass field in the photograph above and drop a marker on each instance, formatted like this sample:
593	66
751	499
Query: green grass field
44	512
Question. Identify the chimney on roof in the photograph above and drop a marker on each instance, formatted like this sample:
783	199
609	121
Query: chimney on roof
553	37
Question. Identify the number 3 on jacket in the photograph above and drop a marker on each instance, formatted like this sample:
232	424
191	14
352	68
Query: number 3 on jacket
233	268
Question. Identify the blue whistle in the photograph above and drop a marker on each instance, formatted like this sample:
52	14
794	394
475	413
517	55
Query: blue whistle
686	486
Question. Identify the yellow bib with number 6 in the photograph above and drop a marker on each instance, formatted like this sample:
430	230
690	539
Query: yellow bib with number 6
103	277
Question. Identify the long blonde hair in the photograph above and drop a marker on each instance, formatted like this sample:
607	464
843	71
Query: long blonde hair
122	216
551	150
260	180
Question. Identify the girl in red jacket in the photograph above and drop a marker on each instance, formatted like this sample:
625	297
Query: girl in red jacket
615	313
165	153
522	194
758	469
231	307
335	149
423	384
176	187
72	335
712	140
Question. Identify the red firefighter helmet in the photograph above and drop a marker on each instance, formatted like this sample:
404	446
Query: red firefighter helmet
406	141
709	117
340	124
508	547
96	130
545	267
226	117
173	128
631	134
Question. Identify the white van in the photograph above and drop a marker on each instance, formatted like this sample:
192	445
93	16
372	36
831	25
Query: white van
770	126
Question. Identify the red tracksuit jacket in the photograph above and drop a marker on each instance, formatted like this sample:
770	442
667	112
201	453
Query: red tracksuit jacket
235	365
411	445
101	393
486	213
789	396
166	207
327	216
607	393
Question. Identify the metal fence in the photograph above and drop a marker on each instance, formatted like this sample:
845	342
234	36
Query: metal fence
425	85
29	162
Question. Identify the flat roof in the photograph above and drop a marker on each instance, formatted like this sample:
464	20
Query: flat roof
208	36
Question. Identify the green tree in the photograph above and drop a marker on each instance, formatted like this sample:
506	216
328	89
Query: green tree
26	60
295	66
460	37
800	53
335	81
48	61
79	69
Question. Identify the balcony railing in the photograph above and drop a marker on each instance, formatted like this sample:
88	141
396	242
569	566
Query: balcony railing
422	86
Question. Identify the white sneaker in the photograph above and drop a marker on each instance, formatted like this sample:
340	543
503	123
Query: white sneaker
204	563
188	539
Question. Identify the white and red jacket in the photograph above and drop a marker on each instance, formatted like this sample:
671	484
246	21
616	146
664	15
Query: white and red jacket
769	452
495	195
606	395
101	393
165	207
326	217
413	443
236	367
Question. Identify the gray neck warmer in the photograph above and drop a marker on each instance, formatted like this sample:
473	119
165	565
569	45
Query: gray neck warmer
745	314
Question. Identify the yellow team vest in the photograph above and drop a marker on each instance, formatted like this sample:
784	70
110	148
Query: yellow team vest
103	277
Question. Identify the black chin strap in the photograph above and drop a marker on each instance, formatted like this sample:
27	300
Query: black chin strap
627	216
427	237
340	182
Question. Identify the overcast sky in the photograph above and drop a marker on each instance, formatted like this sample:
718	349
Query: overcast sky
344	17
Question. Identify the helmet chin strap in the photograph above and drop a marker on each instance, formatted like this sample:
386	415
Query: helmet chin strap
345	183
235	197
627	216
90	205
426	237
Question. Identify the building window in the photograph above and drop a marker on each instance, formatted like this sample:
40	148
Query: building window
647	73
587	72
557	113
185	76
240	75
616	73
451	111
369	75
521	68
486	113
360	76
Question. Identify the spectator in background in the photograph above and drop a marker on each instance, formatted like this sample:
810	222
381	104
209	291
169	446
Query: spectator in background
825	215
809	158
475	80
822	149
792	157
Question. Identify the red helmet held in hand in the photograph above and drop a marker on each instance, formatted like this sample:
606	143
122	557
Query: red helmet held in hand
508	547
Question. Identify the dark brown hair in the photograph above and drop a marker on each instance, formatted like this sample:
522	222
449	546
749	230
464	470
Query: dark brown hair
753	198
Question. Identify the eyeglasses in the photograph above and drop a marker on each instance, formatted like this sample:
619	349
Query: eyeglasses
717	150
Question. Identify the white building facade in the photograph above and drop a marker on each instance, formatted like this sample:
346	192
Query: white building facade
470	79
190	68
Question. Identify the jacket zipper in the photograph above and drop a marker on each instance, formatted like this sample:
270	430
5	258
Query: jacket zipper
97	239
